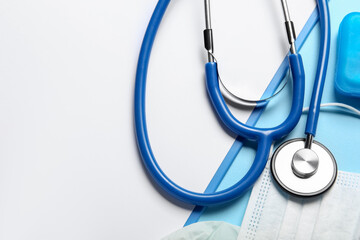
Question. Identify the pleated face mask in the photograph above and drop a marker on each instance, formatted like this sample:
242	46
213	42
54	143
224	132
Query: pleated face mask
274	214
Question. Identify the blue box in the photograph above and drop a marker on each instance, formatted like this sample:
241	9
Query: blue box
347	79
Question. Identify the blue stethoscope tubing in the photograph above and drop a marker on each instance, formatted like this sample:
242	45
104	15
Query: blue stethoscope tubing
264	136
314	109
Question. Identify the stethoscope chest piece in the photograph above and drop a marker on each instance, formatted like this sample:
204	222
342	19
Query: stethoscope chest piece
303	171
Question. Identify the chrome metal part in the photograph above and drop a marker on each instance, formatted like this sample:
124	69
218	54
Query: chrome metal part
208	37
290	29
209	46
306	180
233	98
286	11
305	163
207	14
309	141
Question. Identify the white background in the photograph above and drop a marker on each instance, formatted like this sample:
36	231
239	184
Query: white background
69	166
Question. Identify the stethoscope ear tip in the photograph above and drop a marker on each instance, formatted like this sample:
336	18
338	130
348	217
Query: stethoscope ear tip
302	171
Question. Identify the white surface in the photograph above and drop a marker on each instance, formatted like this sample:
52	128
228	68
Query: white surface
69	167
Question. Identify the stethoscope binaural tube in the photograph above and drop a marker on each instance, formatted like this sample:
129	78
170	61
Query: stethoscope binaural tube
264	137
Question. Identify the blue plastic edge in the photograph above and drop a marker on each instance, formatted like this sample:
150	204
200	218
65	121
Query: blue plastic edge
340	89
254	117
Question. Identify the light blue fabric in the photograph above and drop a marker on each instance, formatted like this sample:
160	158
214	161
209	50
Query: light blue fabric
337	131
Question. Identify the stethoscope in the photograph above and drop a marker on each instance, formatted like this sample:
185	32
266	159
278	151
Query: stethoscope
305	167
263	136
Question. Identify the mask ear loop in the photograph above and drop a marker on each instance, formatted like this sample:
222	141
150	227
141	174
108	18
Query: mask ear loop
233	98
